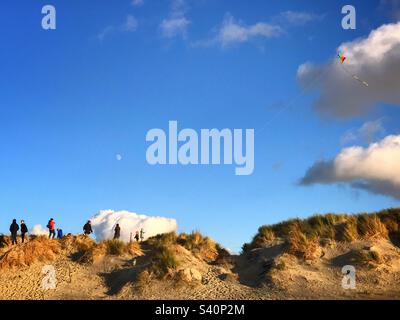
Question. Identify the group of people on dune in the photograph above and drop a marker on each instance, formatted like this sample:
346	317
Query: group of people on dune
51	226
14	228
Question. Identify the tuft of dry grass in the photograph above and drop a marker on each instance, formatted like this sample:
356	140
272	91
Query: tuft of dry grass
369	225
300	245
264	236
77	243
164	239
39	249
166	260
321	226
391	219
114	247
164	263
202	247
119	248
4	241
347	231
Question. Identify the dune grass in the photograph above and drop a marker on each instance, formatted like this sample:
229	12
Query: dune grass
164	261
166	258
301	245
39	249
200	246
164	239
110	248
77	243
301	235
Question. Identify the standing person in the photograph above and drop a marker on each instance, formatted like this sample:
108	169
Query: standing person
14	227
141	234
117	232
59	234
87	228
24	230
137	236
51	226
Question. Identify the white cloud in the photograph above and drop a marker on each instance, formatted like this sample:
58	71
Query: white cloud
130	25
38	230
367	132
174	27
103	224
137	3
375	168
233	32
375	59
177	23
299	18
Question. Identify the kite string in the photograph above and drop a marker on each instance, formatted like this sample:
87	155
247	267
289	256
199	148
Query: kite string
294	99
354	76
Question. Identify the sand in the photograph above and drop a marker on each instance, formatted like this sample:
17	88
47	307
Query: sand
265	273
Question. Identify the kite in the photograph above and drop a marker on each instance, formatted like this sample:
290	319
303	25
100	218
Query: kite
342	58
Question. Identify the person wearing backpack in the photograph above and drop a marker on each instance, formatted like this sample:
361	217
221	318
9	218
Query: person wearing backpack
51	226
14	227
137	236
24	230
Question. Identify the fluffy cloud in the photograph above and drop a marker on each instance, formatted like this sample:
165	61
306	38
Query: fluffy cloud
103	224
375	59
38	230
233	32
177	23
375	168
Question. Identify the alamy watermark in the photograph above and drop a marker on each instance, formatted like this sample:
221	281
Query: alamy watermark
349	20
49	20
349	278
49	280
187	146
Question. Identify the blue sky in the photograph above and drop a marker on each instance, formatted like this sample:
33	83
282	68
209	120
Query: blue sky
74	97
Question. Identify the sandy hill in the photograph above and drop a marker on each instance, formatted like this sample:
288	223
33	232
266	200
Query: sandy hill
295	259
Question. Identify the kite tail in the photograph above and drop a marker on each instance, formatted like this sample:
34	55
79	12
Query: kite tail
355	77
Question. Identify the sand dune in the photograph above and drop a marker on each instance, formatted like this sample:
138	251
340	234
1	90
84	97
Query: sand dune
195	267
